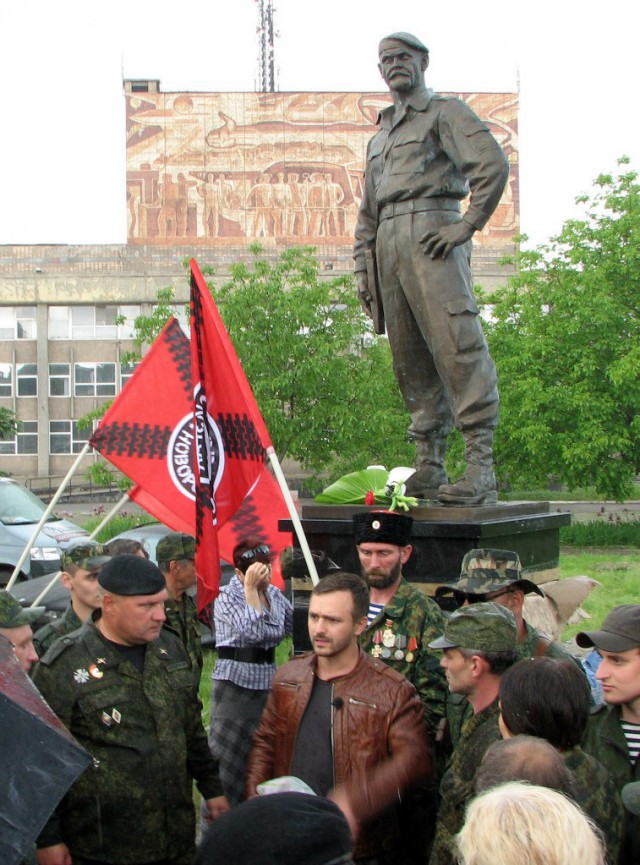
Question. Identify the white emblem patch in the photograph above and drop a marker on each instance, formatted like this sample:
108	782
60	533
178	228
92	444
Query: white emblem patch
81	676
375	525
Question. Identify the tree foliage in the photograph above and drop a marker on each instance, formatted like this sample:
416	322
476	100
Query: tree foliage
565	337
323	381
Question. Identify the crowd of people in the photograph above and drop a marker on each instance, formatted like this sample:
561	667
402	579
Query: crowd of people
405	735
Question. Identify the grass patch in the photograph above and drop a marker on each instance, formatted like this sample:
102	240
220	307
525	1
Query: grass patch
607	530
582	494
617	569
121	522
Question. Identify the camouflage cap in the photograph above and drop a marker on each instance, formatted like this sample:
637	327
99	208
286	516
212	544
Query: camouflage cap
13	614
489	627
407	39
86	554
176	546
488	570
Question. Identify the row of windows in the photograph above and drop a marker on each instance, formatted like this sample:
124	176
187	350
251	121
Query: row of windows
85	379
64	438
70	322
76	322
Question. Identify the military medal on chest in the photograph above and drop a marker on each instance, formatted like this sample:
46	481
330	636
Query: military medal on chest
388	637
376	651
401	643
412	645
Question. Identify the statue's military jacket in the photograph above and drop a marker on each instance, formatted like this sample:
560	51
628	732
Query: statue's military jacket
400	636
144	731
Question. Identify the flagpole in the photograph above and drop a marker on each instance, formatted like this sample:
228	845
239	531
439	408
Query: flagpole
295	519
47	511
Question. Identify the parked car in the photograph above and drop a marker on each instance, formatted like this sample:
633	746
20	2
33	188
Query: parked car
20	511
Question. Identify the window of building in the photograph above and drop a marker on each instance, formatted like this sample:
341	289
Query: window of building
59	379
17	322
92	322
94	379
126	371
66	438
6	379
25	441
27	379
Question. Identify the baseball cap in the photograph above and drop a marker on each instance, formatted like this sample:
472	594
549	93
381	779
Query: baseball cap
619	632
131	575
487	626
13	614
86	554
488	570
382	527
176	546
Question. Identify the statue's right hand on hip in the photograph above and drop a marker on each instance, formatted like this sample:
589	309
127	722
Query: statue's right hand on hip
364	295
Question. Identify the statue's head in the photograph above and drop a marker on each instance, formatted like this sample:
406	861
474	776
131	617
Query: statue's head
403	60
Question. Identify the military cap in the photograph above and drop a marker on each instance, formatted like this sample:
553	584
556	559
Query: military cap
86	554
407	38
278	829
619	632
13	614
488	627
382	527
176	546
131	575
487	571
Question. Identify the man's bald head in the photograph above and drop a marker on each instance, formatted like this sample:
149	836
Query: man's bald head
524	758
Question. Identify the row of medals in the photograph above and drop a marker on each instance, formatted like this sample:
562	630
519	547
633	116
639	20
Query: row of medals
387	644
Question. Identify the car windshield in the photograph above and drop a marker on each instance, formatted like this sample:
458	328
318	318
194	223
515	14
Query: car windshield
19	506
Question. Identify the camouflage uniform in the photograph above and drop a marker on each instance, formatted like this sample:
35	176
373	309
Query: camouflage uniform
458	783
144	730
535	644
182	618
605	741
48	634
596	793
412	621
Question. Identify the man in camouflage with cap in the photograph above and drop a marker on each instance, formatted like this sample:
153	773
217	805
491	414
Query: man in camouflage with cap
124	687
613	732
402	622
429	151
81	563
15	625
176	554
496	575
479	644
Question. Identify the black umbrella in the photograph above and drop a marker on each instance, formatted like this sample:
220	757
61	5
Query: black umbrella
39	759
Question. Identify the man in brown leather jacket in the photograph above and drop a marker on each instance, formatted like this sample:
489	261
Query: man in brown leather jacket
344	722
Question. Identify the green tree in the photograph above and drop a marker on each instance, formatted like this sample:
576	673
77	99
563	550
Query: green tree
8	424
565	336
323	381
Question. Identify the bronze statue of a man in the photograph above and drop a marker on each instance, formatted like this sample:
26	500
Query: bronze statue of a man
429	152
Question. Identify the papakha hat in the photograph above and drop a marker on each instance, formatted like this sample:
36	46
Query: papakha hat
382	527
488	570
131	575
489	627
619	632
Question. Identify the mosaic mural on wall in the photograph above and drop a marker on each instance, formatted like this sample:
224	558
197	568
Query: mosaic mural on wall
230	168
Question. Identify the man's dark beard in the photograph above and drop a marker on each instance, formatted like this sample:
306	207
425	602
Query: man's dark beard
378	581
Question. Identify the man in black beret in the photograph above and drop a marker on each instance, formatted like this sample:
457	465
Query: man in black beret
124	688
402	621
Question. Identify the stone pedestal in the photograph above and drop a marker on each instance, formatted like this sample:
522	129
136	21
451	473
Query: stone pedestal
441	537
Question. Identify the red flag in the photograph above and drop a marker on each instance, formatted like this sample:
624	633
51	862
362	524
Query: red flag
230	434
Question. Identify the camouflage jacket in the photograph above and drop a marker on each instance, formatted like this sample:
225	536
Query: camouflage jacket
458	782
408	623
144	730
536	644
48	634
182	618
605	741
596	793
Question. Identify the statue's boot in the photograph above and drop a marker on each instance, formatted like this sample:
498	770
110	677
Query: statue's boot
430	474
478	484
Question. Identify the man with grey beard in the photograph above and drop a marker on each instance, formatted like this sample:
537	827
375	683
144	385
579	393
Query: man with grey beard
402	622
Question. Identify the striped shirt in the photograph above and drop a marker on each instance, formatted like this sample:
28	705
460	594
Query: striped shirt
374	611
239	625
632	737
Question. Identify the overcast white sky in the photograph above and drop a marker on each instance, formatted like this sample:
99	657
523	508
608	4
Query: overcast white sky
62	108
